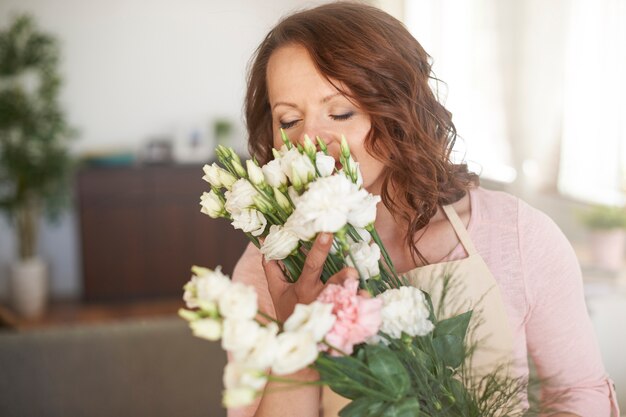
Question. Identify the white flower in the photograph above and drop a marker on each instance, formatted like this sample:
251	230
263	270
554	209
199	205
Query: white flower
250	221
294	163
217	176
404	310
238	375
364	214
316	318
327	203
204	289
238	302
211	286
255	174
263	352
208	328
240	196
238	397
239	336
366	257
211	175
295	351
279	243
325	164
212	205
274	174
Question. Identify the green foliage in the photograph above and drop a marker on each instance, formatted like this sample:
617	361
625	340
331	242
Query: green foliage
35	165
604	217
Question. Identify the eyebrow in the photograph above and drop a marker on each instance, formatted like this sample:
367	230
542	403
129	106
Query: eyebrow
323	100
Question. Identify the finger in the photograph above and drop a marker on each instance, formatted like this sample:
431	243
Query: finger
340	277
314	263
276	282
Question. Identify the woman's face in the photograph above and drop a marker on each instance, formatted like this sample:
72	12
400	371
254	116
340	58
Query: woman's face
304	102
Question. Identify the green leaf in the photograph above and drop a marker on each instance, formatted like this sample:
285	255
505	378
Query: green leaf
361	407
388	369
456	325
407	407
344	375
450	349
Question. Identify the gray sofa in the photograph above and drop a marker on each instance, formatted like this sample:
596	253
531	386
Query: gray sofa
149	368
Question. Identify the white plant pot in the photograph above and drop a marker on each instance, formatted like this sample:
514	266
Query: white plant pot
28	287
607	248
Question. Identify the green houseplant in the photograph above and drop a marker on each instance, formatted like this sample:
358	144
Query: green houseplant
607	237
35	164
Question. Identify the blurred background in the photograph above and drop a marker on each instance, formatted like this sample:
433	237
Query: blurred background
149	88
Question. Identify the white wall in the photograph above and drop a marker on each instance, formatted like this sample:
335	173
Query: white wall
135	69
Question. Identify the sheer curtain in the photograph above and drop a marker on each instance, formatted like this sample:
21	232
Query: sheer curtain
466	57
593	149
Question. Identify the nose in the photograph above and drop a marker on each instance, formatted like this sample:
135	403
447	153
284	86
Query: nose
315	129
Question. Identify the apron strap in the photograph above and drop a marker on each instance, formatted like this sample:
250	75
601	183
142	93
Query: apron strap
460	229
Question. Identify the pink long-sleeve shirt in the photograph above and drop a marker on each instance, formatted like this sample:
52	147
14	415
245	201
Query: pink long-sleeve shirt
541	284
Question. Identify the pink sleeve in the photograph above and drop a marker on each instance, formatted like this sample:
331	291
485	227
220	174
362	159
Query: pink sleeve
249	270
560	336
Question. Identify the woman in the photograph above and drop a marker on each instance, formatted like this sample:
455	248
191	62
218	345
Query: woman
351	69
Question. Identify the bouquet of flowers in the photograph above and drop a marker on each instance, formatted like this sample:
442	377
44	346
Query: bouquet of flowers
385	349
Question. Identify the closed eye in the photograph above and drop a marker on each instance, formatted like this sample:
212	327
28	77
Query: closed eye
344	116
287	125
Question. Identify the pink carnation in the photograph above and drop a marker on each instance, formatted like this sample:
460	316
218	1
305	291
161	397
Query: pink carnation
358	317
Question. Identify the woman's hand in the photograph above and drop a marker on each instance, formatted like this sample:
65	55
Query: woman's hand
286	295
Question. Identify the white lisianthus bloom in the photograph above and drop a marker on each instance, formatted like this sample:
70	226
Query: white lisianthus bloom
204	289
238	397
364	214
325	164
279	243
303	168
316	318
211	286
327	203
240	196
238	302
404	310
239	336
263	353
212	175
274	174
238	375
212	205
294	163
250	221
295	351
207	328
366	257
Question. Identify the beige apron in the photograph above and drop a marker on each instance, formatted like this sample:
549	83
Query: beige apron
471	286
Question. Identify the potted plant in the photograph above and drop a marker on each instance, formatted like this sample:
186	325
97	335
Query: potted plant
35	165
607	226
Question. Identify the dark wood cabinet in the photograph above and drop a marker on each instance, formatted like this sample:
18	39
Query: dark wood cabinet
142	230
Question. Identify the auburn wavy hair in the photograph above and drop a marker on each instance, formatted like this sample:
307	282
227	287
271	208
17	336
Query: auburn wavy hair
387	73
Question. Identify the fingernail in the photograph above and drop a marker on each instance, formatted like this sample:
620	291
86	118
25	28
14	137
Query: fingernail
324	238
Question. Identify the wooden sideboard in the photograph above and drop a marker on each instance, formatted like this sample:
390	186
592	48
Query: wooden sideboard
141	231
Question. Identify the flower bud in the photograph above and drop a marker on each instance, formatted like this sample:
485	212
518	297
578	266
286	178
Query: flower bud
285	139
212	205
282	200
262	204
227	179
236	163
345	149
255	174
309	147
211	175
